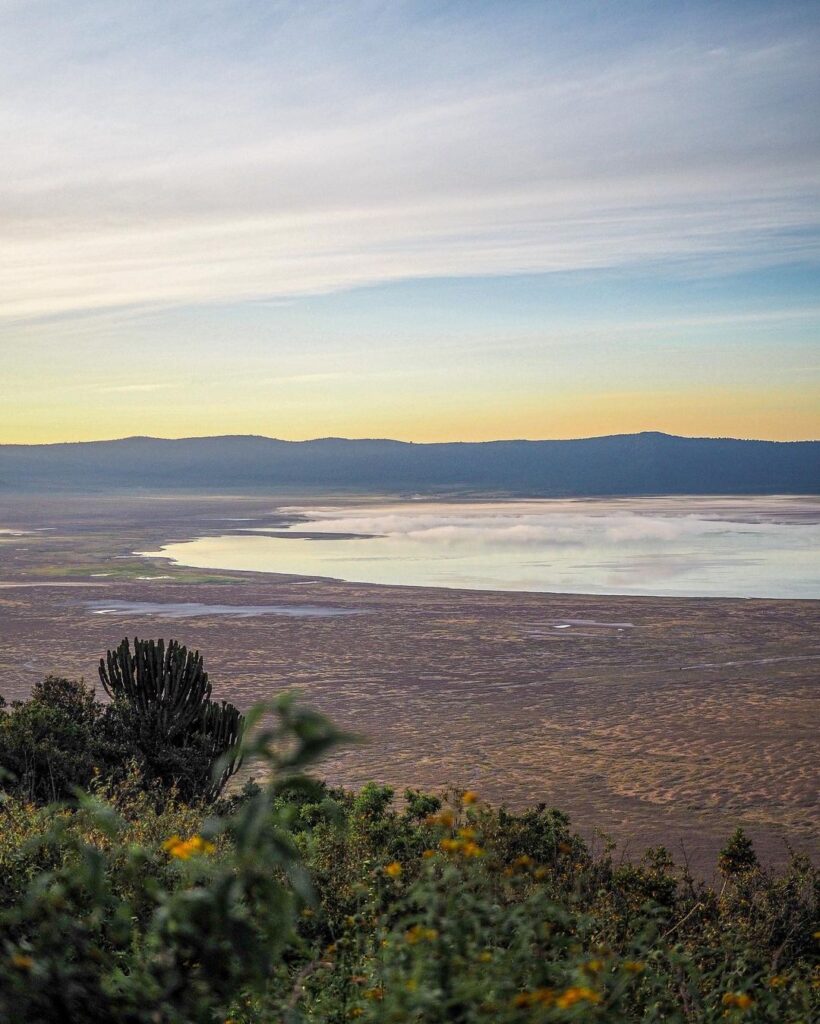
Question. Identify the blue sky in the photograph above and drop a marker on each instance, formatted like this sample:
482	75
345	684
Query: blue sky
423	220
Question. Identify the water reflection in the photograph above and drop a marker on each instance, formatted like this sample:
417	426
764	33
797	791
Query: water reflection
735	547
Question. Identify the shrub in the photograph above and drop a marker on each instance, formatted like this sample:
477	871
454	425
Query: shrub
56	740
295	903
138	930
162	704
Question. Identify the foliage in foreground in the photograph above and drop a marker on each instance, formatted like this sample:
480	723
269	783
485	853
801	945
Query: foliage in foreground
296	903
161	718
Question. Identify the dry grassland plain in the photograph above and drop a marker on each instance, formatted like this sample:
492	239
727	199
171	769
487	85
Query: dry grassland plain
699	717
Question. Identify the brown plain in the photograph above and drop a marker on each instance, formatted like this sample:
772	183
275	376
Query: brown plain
700	717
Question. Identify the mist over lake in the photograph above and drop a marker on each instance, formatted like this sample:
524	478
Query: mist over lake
767	547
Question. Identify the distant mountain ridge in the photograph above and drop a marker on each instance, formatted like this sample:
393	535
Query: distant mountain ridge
619	464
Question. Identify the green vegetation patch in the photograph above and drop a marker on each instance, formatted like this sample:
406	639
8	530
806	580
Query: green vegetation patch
294	902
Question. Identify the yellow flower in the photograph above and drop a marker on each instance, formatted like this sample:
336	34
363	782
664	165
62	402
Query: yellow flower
467	833
393	869
594	966
542	996
172	843
577	994
466	847
184	849
485	957
633	966
470	797
22	962
540	873
418	933
376	994
427	854
739	999
357	1011
200	845
778	981
411	984
445	818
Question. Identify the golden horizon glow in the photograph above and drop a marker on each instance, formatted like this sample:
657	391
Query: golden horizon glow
451	222
758	415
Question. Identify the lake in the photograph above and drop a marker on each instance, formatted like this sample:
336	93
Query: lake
765	547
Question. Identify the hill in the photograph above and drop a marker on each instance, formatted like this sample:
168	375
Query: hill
624	464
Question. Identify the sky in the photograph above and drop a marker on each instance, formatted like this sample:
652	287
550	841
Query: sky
421	220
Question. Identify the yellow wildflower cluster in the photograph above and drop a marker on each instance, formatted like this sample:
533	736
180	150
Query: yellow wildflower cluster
446	819
538	997
418	933
184	849
393	869
469	797
562	1000
740	1000
778	981
376	994
22	962
577	994
465	847
634	966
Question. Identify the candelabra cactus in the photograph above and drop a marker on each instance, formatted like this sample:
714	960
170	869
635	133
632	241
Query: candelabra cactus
167	696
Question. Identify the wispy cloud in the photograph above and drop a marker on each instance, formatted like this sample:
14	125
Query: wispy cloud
206	152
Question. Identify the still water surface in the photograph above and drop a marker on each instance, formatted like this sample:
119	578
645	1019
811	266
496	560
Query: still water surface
731	547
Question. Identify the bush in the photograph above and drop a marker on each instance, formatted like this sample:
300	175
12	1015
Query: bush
161	720
295	903
162	704
138	929
57	740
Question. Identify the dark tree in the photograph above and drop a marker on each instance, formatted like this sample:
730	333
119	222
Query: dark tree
162	698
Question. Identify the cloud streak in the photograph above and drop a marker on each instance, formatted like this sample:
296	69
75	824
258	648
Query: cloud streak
219	152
